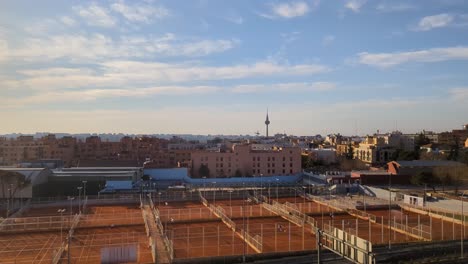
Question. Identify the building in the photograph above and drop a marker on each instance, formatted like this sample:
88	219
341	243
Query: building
410	168
247	160
374	150
326	156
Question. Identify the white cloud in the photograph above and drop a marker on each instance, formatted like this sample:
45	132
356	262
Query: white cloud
355	5
79	47
284	87
394	7
140	13
288	10
459	94
3	50
235	19
385	60
77	96
68	21
328	40
96	15
436	21
114	74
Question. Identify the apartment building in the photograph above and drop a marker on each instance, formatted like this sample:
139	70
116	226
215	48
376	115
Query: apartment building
248	160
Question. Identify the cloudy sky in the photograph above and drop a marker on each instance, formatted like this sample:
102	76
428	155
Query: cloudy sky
209	67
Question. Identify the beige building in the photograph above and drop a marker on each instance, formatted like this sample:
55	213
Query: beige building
374	150
245	160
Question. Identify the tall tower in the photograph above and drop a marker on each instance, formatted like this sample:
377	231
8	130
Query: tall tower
267	122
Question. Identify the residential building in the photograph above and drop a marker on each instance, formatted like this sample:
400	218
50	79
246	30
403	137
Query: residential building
248	160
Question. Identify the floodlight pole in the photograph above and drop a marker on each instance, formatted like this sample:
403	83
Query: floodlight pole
462	237
79	199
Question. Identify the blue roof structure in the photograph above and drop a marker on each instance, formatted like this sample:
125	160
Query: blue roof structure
178	176
118	185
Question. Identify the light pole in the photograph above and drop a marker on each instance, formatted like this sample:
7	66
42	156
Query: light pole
70	198
462	238
61	211
214	194
79	199
243	222
8	201
84	190
159	199
303	187
277	183
389	211
230	192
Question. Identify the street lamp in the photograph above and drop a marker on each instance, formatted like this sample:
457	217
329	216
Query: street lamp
230	192
79	199
159	199
214	192
462	238
84	190
61	211
277	183
70	198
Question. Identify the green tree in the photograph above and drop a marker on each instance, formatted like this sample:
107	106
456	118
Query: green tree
204	171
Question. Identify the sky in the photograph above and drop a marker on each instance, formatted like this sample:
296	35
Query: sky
215	67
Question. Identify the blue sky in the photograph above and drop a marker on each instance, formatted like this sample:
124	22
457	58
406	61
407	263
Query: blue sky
214	67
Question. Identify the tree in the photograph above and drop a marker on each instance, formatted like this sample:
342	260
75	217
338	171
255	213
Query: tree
424	178
204	171
305	161
452	176
238	173
350	152
420	141
15	180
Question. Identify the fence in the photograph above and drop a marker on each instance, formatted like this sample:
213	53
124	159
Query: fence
362	215
414	231
448	215
167	243
42	223
328	202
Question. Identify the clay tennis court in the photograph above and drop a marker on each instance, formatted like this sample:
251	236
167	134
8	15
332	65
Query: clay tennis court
205	240
87	243
28	248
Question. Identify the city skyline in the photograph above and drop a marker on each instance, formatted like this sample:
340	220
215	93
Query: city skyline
202	67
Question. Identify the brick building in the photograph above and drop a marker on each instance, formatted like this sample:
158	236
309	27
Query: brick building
245	160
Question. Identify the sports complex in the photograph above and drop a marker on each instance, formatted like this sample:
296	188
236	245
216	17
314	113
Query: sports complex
222	225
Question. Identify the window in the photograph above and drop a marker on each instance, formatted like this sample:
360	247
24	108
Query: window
268	158
273	171
284	171
284	158
221	159
290	158
258	171
268	165
253	159
268	171
290	165
284	165
258	158
273	158
258	164
290	171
